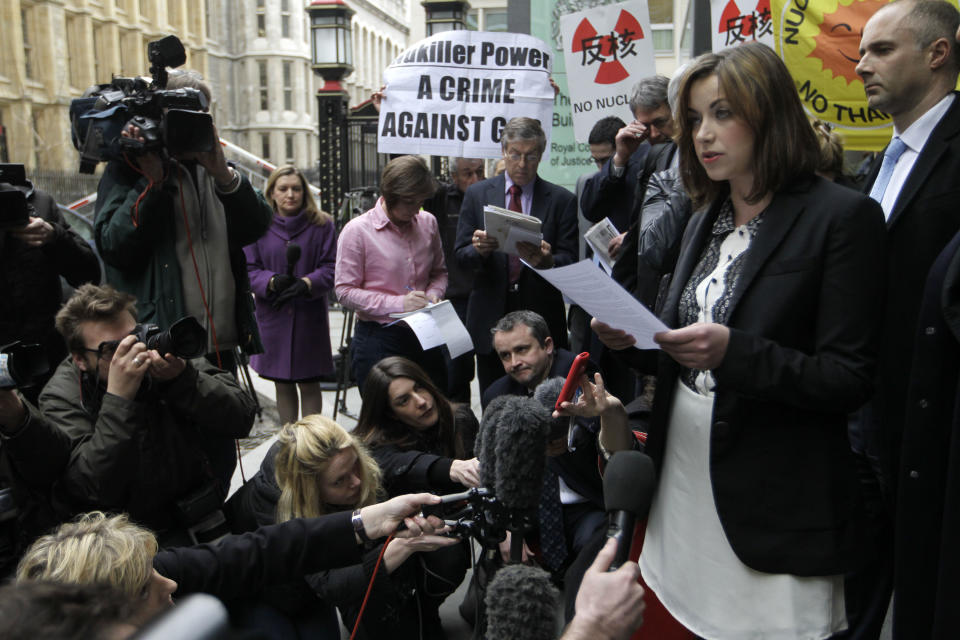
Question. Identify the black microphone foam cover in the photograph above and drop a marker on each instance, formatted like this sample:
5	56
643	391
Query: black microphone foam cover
628	483
521	453
521	604
546	394
293	252
485	446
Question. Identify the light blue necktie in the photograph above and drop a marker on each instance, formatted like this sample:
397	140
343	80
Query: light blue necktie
893	152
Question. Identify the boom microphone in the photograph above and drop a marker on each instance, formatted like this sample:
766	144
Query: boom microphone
521	453
520	450
293	256
628	484
546	394
486	437
521	604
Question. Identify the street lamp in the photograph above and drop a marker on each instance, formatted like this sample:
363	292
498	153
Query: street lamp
331	54
445	15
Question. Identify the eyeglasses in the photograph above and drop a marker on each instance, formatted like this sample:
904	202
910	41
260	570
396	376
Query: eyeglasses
106	349
530	158
659	123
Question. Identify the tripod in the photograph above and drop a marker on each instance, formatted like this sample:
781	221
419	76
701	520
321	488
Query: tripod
344	376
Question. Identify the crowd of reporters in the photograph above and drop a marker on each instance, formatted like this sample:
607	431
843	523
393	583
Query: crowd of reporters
776	461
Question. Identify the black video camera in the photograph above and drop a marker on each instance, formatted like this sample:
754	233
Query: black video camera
186	338
171	120
22	365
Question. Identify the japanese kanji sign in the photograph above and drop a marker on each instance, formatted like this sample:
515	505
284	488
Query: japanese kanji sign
451	93
606	49
736	23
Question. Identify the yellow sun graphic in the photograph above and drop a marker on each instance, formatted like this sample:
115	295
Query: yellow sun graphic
838	42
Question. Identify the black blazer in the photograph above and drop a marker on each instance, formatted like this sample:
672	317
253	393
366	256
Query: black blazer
925	217
803	327
557	209
605	196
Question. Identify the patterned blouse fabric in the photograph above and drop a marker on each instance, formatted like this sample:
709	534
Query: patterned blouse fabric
707	295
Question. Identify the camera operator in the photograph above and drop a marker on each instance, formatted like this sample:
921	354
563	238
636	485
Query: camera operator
171	231
33	454
32	259
110	550
158	431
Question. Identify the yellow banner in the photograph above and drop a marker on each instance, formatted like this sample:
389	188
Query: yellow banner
819	40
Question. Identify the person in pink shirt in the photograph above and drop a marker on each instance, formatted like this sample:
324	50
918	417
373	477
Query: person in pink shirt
390	260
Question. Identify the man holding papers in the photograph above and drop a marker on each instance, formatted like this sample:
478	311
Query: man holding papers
503	283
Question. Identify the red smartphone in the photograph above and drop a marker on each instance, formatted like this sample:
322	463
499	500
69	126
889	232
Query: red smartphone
573	379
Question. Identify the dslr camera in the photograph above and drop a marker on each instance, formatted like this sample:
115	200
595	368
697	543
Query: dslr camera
174	121
186	338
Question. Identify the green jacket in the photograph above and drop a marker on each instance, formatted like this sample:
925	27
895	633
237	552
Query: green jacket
140	256
141	456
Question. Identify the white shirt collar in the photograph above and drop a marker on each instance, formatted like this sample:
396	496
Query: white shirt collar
915	136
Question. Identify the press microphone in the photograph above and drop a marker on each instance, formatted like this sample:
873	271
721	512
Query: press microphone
546	394
293	255
521	603
520	449
486	436
628	484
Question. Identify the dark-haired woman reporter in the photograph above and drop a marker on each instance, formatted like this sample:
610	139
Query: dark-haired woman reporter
776	297
420	439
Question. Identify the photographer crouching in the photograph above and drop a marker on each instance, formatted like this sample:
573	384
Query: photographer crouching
152	434
173	217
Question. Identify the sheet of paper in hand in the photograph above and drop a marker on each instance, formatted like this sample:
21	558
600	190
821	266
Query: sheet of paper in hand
509	228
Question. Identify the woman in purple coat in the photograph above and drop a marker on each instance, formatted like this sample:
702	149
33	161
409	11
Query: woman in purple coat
290	287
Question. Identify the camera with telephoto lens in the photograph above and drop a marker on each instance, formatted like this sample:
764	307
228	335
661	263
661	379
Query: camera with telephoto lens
170	120
186	338
22	365
15	211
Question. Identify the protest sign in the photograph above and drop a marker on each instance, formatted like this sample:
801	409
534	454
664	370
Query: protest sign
735	23
452	93
606	50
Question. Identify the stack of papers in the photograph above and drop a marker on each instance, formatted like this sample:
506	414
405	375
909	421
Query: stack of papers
509	228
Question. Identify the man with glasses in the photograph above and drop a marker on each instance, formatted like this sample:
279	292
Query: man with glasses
152	434
502	283
617	190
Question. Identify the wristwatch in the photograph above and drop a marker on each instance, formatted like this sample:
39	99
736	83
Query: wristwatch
357	523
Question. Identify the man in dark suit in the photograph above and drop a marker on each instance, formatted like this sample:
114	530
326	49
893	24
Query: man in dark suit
909	65
502	284
523	344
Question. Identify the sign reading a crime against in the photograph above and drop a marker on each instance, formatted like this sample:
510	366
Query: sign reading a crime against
452	93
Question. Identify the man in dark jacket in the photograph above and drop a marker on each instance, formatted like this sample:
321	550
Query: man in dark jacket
32	259
157	431
523	343
172	231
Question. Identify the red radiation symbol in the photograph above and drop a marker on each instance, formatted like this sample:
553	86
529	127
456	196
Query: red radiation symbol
608	49
745	24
